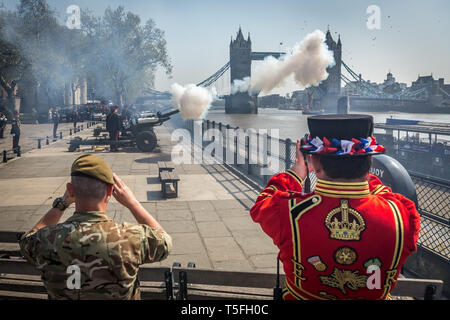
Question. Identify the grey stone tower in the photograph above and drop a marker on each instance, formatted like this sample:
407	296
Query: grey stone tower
331	87
240	68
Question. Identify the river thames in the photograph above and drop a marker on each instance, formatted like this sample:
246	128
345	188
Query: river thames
292	124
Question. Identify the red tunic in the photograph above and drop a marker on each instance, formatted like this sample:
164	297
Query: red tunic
342	241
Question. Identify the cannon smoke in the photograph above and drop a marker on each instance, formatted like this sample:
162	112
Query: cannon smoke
191	100
307	62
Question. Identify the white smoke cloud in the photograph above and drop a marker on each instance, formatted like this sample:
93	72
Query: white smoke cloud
192	101
306	62
241	85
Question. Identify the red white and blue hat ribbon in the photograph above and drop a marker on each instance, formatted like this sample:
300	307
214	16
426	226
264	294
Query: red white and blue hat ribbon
343	147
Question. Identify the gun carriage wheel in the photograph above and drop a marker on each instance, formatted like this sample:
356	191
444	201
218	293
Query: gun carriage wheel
146	141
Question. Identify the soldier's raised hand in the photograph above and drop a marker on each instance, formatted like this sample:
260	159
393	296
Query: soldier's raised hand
122	193
68	198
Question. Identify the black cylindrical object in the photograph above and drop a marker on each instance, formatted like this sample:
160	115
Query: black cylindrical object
287	158
5	159
247	153
60	134
168	114
235	150
39	143
46	141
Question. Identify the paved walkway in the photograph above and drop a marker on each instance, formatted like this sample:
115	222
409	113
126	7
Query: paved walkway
30	132
209	221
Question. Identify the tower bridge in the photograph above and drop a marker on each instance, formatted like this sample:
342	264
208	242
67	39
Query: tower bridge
325	95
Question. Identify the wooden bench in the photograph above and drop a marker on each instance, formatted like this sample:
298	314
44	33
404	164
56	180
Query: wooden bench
20	280
169	184
164	166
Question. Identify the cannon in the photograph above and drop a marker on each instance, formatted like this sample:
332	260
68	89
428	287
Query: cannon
138	131
142	129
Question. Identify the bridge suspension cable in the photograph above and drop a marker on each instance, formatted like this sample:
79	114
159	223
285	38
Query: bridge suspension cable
444	92
359	80
409	94
209	81
345	79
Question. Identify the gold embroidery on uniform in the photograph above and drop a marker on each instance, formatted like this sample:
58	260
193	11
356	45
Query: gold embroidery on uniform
345	256
373	261
341	279
295	176
377	189
345	223
348	195
327	295
342	189
296	211
298	271
399	239
284	293
294	293
390	278
309	204
318	264
343	184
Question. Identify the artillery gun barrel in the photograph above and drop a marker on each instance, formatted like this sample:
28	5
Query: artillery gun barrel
168	114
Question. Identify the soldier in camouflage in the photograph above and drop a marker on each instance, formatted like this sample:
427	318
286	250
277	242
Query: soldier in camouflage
106	254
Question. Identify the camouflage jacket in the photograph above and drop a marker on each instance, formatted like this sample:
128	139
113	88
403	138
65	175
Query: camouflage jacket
107	255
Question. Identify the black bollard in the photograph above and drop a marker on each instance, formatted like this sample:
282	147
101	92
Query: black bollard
46	141
70	131
5	159
39	143
19	153
60	134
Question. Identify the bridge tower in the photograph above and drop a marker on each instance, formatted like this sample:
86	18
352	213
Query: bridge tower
240	68
331	87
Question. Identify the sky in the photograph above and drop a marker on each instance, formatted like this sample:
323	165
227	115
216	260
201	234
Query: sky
413	37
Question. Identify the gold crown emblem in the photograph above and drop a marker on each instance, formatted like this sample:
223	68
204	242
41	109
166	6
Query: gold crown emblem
344	222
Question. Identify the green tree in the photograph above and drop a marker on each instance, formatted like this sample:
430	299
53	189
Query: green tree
12	63
42	40
125	53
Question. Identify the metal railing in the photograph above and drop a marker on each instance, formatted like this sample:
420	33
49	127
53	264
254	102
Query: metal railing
433	194
433	197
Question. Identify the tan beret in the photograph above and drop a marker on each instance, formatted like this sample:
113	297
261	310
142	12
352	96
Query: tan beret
92	166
